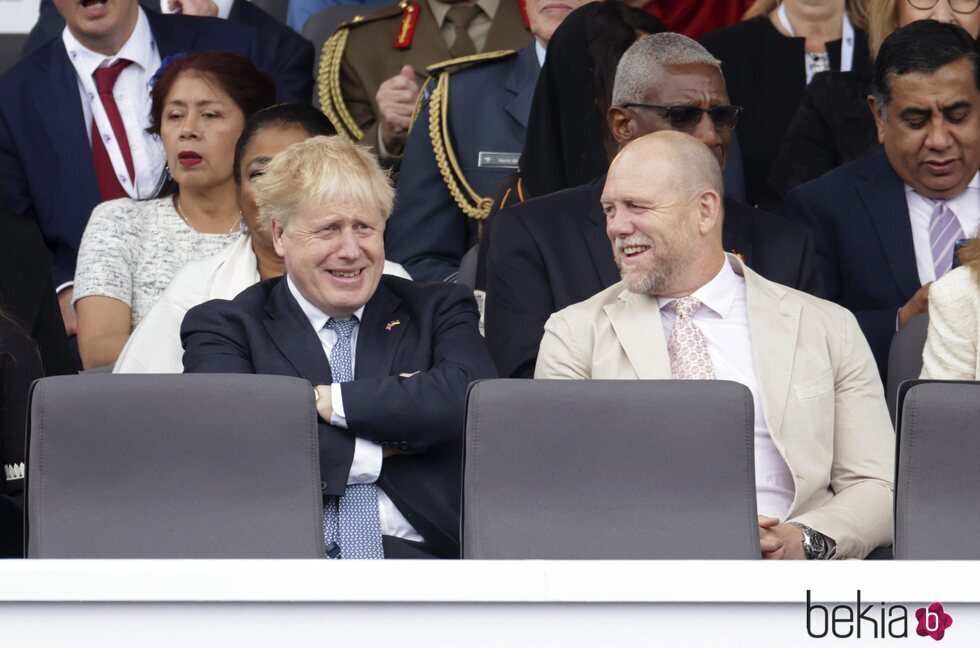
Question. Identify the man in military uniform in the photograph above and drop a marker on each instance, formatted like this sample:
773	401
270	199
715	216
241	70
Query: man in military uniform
371	67
451	165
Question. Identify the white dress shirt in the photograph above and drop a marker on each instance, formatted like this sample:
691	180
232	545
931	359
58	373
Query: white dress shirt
224	7
132	94
368	456
966	206
724	321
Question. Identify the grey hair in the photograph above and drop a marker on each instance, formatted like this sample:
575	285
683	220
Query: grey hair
655	50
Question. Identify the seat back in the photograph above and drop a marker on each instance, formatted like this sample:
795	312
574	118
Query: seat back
602	469
905	358
10	47
937	484
173	466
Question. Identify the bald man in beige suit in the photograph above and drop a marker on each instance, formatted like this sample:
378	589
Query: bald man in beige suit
823	441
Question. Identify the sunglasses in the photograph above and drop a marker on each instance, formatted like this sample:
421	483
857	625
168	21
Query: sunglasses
687	118
958	6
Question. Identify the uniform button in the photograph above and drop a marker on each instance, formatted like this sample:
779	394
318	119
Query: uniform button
323	485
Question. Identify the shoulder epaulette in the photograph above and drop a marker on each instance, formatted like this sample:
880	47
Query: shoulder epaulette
328	78
462	62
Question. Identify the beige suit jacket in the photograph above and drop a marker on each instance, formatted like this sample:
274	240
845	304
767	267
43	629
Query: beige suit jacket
821	396
951	351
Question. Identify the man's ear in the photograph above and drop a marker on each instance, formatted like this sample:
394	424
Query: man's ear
277	232
709	211
878	111
621	124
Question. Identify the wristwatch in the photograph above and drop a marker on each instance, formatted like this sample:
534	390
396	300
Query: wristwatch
814	544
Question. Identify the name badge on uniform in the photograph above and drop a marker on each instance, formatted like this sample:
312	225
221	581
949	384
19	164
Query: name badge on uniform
496	160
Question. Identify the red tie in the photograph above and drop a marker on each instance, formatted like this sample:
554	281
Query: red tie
109	185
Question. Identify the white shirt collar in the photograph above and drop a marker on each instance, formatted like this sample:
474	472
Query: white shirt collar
541	51
717	295
974	184
224	7
317	318
140	48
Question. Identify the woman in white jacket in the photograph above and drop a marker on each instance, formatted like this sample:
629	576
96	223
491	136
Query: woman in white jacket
154	346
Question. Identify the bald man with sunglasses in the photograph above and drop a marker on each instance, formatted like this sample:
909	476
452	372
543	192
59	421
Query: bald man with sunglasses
551	252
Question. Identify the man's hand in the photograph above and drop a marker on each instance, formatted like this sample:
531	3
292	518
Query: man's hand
780	541
194	7
68	311
916	306
396	102
324	402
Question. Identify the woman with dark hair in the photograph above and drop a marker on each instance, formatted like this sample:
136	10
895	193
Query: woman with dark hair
952	350
833	124
131	250
154	346
567	140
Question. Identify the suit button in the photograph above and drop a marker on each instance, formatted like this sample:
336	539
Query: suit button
323	485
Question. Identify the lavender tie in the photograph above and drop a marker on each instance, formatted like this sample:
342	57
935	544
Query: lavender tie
944	230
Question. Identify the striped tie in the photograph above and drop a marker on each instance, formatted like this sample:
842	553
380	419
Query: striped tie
944	230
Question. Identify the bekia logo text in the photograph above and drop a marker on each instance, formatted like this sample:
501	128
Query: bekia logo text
873	620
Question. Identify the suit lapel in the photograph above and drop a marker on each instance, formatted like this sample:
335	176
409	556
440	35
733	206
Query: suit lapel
774	327
170	38
385	322
883	195
57	90
595	236
521	83
637	324
291	332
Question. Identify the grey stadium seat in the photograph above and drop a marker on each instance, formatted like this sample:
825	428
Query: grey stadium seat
937	484
173	466
603	469
905	358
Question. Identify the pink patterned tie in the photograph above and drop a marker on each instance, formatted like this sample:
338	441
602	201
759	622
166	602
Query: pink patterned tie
688	351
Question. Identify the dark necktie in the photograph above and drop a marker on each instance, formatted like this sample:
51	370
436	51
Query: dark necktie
110	185
460	18
351	522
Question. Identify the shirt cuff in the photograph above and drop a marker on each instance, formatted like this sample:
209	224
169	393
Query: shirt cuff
338	417
67	284
383	150
366	466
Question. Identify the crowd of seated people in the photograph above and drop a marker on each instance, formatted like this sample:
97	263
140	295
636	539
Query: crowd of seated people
768	205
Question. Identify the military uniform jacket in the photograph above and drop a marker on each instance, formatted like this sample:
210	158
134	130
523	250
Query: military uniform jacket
362	55
451	169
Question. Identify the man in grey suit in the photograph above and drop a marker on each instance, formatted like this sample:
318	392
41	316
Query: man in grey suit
824	449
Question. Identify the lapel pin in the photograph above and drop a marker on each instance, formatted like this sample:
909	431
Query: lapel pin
392	324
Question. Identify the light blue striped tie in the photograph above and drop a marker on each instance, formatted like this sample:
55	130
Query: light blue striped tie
350	522
944	231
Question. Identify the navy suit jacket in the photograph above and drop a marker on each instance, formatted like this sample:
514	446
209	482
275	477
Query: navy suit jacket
289	55
860	223
46	170
551	252
488	110
407	327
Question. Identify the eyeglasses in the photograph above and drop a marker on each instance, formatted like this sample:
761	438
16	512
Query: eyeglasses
958	6
687	118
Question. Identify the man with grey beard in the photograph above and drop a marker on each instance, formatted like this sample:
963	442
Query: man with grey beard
824	449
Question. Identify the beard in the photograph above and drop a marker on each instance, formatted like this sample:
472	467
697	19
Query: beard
658	274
